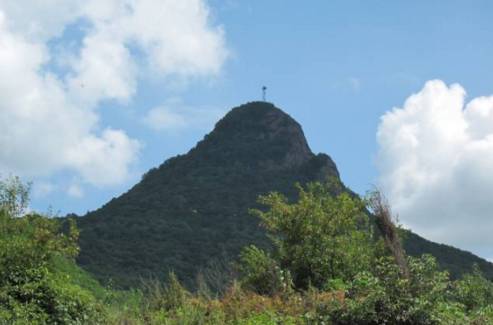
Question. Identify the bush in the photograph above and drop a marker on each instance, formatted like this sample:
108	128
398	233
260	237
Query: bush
168	296
261	273
32	288
473	291
384	296
317	238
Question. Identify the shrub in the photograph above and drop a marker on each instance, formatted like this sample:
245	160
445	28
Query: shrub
384	296
317	238
474	291
167	296
261	273
32	288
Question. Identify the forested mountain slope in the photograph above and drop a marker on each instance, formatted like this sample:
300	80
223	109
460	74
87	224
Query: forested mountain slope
191	212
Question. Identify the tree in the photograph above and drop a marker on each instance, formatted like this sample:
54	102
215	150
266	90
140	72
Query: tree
319	238
33	288
14	196
474	291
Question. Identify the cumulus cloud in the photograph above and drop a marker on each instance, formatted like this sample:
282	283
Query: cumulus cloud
435	161
50	121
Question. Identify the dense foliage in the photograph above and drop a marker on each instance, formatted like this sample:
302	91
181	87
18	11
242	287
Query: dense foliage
374	291
319	238
34	287
190	215
322	243
325	266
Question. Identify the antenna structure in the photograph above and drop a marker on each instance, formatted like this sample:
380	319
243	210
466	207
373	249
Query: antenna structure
264	92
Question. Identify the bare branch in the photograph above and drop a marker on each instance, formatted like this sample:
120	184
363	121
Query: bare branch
381	209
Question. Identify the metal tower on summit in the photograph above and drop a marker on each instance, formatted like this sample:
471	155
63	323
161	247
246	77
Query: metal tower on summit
264	93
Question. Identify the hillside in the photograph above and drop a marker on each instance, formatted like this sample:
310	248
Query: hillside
191	213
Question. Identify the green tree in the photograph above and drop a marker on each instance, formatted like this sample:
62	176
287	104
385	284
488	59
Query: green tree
385	296
33	290
261	273
14	196
474	291
318	238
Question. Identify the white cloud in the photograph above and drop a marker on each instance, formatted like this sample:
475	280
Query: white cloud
174	116
163	118
75	191
104	70
39	20
176	36
41	126
436	165
103	160
50	122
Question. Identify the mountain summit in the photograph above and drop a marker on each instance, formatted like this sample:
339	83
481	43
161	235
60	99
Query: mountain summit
192	211
261	138
190	214
260	135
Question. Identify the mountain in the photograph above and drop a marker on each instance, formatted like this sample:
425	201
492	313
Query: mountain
190	214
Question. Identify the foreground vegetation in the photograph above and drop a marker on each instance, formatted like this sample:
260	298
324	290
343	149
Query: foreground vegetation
328	265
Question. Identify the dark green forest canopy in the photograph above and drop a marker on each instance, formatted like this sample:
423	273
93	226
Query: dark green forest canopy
191	214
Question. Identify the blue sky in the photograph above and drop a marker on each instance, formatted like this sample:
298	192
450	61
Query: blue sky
335	66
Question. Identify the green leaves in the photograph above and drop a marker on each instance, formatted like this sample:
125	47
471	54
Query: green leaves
261	273
324	242
14	196
317	238
474	291
34	290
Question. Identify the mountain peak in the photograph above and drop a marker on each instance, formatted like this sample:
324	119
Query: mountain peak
258	133
190	214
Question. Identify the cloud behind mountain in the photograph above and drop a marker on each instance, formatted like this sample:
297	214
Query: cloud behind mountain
435	161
